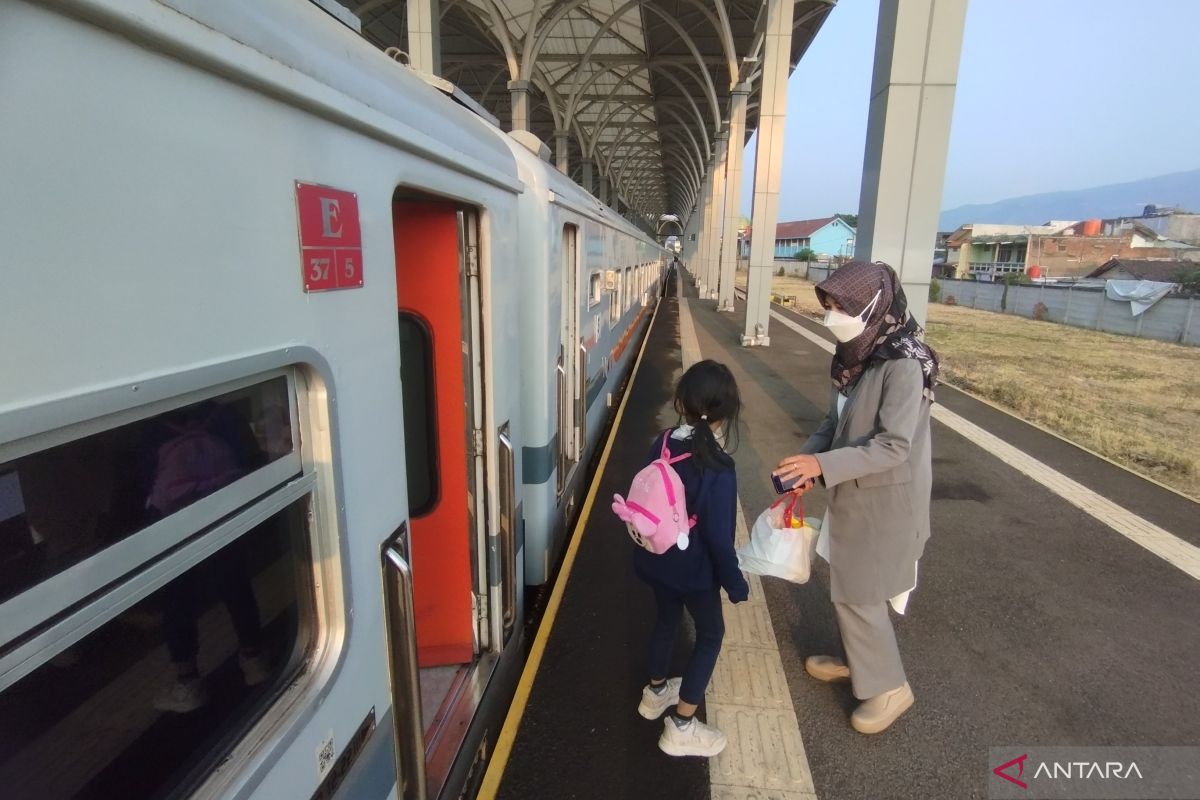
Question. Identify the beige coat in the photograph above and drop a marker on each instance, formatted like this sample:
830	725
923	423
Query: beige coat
875	461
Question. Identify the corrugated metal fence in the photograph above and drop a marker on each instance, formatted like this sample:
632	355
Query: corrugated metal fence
1172	319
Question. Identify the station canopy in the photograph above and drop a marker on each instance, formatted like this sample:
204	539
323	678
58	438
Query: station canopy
640	88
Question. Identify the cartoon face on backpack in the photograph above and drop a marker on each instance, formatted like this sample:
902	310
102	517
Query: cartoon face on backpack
655	511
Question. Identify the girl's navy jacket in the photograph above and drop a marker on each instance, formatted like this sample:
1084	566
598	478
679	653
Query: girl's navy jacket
710	559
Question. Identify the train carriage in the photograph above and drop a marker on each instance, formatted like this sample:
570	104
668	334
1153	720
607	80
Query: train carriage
598	275
283	324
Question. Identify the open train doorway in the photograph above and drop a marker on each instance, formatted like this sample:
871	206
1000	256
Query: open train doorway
439	317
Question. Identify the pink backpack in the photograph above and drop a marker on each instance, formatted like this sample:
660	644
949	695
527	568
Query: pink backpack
656	512
192	464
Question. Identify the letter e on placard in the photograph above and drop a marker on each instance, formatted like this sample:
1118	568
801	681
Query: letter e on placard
330	238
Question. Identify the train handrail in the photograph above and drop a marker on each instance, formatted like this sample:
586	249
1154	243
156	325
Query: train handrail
508	526
405	675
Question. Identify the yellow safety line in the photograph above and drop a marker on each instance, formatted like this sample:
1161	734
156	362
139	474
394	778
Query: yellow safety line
508	734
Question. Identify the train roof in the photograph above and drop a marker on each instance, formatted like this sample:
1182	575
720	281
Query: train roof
302	37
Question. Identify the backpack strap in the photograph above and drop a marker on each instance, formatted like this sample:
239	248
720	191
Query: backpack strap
665	452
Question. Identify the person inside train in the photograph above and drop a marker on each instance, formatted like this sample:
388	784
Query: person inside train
189	454
872	454
708	403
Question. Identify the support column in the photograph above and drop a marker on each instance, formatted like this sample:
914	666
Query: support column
768	166
587	164
520	104
604	189
562	151
424	35
716	204
695	227
700	259
908	135
727	263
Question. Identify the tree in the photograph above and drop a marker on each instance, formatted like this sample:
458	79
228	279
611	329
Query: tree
1189	279
806	254
849	219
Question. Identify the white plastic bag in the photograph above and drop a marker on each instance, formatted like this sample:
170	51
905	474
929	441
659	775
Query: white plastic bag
777	549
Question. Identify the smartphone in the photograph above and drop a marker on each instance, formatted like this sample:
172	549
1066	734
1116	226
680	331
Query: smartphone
783	487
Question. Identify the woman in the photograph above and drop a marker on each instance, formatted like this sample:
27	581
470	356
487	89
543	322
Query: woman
872	454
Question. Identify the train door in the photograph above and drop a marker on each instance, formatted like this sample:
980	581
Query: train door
440	331
569	441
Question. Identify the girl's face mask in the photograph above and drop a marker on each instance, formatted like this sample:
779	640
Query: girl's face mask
846	328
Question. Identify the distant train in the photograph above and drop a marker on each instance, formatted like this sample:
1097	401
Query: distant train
302	366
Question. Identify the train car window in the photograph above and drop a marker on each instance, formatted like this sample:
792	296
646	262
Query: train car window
420	413
149	702
595	289
64	504
628	287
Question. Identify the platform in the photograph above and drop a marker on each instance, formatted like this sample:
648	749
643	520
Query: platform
1058	604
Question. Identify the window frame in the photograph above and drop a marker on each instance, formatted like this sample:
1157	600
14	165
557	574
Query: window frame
595	288
37	605
315	430
56	421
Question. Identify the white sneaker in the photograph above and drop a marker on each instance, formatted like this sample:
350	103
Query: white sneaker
181	696
693	739
655	703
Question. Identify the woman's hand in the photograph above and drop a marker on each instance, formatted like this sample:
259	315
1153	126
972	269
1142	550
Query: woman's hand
804	468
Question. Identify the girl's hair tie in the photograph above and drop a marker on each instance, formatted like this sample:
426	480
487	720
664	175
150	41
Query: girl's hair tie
704	417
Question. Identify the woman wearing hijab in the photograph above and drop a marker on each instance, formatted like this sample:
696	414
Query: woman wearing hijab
872	455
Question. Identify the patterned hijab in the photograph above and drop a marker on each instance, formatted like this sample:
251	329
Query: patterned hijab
891	331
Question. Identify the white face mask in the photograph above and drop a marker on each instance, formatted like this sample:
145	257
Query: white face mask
846	328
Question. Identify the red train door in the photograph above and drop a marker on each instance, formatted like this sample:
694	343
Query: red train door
439	340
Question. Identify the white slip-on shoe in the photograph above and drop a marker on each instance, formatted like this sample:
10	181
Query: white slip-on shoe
655	703
879	712
692	739
830	669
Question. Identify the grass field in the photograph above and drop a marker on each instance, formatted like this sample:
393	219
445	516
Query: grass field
1136	401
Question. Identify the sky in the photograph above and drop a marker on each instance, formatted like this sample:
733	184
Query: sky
1052	95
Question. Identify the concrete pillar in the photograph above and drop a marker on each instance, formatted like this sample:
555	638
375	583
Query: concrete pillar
700	268
562	151
424	35
768	166
695	225
604	189
727	263
520	104
587	164
917	50
710	253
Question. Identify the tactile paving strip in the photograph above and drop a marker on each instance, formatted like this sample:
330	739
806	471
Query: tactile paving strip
748	697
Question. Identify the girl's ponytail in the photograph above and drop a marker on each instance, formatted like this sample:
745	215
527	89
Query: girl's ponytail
708	393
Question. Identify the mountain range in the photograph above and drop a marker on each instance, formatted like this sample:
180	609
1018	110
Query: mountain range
1180	189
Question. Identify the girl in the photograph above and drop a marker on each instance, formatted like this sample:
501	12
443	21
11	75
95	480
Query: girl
872	454
707	401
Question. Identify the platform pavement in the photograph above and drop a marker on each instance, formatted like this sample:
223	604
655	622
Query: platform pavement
1033	622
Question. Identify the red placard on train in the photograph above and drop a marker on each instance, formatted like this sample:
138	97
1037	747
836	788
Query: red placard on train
330	238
